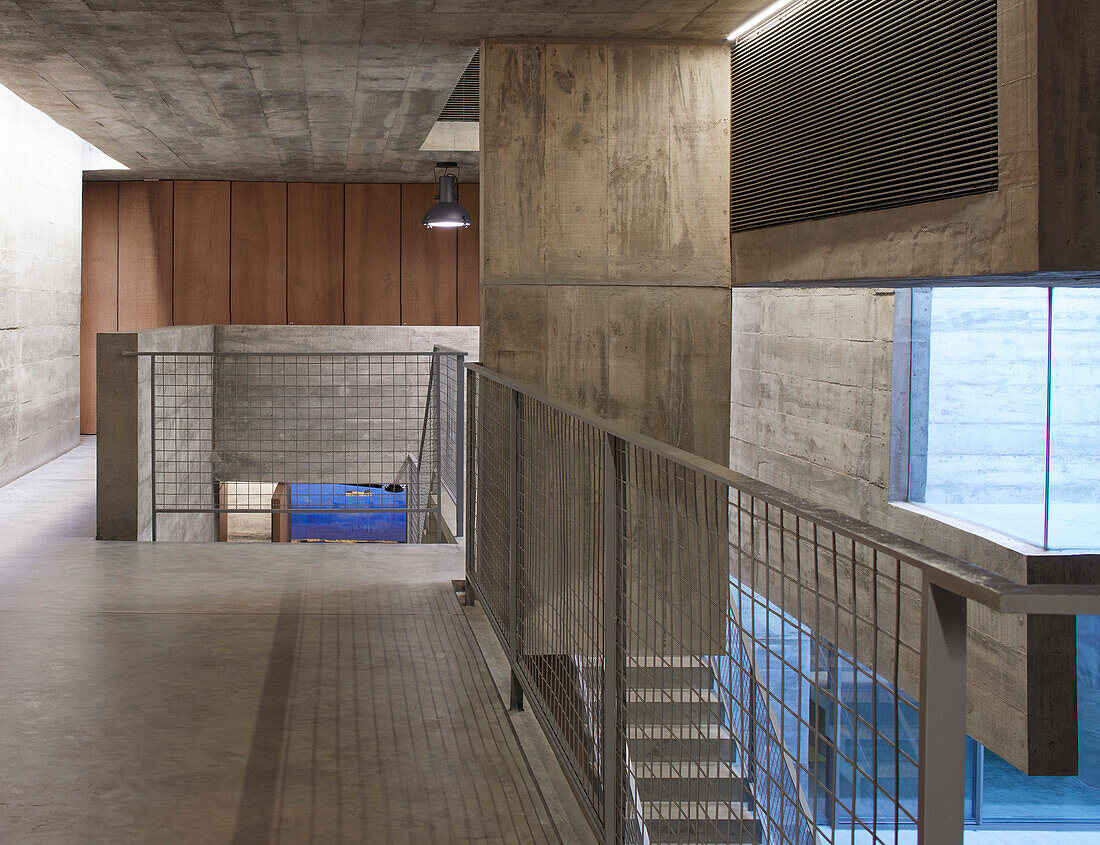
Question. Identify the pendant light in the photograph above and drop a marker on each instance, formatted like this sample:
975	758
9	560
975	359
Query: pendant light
447	213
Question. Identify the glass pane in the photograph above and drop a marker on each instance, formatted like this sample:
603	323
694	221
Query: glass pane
1012	796
1075	420
980	383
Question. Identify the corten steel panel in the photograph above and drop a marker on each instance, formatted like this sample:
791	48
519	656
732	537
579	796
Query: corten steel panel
315	254
429	263
258	219
144	255
200	249
469	259
372	255
982	234
1069	135
98	286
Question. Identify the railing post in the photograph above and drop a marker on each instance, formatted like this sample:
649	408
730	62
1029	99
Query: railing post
437	361
470	377
942	716
152	441
460	439
516	702
612	758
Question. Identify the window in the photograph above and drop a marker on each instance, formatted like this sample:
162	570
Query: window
1004	410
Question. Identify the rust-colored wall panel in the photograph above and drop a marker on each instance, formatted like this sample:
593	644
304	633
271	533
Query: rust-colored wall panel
429	263
315	254
98	286
258	253
372	255
200	250
144	255
469	258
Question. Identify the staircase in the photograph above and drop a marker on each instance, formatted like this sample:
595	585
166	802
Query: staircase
687	778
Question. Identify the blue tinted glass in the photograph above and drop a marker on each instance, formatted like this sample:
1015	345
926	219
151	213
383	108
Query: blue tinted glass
1075	419
978	396
1009	795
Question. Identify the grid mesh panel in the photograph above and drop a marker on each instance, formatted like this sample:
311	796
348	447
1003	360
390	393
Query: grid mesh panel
559	594
768	668
229	428
846	107
183	412
488	496
463	105
451	367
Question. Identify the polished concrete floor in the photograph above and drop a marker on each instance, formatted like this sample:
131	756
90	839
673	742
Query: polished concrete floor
243	693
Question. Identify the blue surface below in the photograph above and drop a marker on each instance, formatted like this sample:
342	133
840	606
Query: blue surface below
337	523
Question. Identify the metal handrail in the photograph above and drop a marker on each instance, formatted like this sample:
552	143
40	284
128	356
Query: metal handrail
965	579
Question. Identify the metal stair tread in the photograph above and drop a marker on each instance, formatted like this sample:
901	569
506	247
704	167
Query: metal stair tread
683	732
672	695
671	661
685	769
696	811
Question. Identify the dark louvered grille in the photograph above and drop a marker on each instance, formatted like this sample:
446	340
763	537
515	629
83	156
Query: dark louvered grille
842	106
463	104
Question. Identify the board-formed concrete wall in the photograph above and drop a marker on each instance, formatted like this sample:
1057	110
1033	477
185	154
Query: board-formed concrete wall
605	230
40	175
816	373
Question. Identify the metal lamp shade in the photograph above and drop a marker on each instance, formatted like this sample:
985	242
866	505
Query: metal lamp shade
447	213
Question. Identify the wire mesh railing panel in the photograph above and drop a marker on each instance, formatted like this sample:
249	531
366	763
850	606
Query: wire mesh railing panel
417	499
182	413
687	773
490	459
300	432
451	368
559	594
829	632
303	418
715	660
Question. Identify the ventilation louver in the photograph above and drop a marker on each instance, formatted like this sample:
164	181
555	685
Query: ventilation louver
842	107
463	105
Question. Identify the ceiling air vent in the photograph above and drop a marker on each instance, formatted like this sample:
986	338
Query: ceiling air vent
463	104
843	107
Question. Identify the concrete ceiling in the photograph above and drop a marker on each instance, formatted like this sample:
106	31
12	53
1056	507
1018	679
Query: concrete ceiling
343	90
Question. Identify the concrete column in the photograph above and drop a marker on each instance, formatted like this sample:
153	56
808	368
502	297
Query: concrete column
605	230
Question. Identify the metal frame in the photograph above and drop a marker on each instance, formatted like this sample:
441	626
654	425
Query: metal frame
452	405
169	415
661	477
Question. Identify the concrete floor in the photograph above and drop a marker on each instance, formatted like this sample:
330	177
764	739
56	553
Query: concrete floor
241	693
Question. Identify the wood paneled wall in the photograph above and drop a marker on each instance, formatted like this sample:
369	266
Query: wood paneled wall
257	253
190	253
200	226
98	286
372	254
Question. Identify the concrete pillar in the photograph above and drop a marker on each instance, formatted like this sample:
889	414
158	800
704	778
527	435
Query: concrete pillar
605	230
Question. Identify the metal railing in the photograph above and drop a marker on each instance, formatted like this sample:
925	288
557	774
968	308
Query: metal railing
451	369
226	428
713	659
